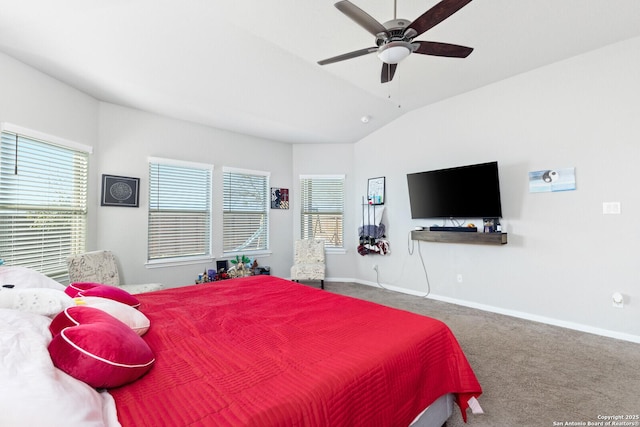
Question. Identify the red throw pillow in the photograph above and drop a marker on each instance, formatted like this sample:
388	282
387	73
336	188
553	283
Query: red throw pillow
75	288
88	289
97	348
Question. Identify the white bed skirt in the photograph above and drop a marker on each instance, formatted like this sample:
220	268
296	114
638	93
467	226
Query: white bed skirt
436	414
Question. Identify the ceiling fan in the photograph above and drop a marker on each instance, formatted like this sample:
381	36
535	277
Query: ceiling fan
395	38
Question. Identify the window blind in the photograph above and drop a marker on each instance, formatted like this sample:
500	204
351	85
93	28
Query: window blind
43	203
322	210
179	210
245	211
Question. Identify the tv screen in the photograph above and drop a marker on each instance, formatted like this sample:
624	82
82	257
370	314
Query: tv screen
471	191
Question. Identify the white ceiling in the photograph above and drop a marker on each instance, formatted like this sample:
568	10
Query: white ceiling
251	66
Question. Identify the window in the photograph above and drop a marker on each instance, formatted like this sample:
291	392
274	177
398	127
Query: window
246	211
322	210
179	211
43	200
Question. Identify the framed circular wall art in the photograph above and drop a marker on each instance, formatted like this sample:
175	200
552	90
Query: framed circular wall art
120	191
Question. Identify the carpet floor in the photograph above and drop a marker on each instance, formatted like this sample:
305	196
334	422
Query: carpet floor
532	374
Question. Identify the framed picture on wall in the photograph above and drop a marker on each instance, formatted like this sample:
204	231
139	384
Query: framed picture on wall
375	191
552	180
120	191
279	198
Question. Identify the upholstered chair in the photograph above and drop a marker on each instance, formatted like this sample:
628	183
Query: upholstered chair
101	267
308	261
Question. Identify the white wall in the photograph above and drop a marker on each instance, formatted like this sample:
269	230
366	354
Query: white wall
123	139
33	100
329	159
564	258
129	137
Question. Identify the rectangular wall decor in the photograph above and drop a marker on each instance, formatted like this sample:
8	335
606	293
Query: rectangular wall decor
120	191
552	180
279	198
375	191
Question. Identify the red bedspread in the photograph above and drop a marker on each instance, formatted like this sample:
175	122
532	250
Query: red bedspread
263	351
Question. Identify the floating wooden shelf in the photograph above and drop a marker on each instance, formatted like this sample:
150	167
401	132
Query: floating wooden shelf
460	237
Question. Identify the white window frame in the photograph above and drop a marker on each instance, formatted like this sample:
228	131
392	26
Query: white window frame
226	212
40	252
304	213
153	262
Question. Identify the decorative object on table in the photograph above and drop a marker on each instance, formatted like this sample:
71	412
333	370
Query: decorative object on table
489	224
211	275
257	270
375	191
221	266
206	277
547	180
266	270
239	268
279	198
240	261
120	191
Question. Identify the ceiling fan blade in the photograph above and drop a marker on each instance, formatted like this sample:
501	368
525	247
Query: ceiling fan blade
436	15
361	18
388	70
443	49
349	55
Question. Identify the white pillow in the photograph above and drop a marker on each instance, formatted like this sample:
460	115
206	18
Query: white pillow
22	277
123	312
33	391
44	301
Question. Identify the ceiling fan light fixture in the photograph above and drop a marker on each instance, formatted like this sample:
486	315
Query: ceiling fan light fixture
394	52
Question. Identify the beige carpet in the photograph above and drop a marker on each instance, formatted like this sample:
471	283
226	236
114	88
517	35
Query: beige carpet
532	374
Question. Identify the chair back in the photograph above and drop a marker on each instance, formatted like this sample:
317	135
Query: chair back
308	251
96	266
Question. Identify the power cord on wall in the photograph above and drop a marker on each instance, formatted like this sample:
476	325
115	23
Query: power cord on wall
380	285
411	249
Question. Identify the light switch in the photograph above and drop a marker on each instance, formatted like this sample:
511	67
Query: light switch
611	208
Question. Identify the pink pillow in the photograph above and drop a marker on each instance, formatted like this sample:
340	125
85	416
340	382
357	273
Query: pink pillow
88	289
75	288
99	350
128	315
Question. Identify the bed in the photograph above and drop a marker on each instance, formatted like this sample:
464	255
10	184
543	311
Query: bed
260	351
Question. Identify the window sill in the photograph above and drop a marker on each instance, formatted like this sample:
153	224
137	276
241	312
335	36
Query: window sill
174	262
250	254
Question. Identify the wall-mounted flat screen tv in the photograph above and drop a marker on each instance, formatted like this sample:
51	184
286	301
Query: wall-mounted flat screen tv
471	191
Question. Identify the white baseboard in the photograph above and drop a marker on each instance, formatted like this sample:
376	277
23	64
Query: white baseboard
504	311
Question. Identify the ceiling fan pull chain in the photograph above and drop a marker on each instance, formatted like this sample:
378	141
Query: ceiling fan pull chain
388	86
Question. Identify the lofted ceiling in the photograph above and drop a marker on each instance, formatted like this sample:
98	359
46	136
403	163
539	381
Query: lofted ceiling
251	66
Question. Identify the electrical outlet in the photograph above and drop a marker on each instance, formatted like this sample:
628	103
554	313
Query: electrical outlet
459	278
618	300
